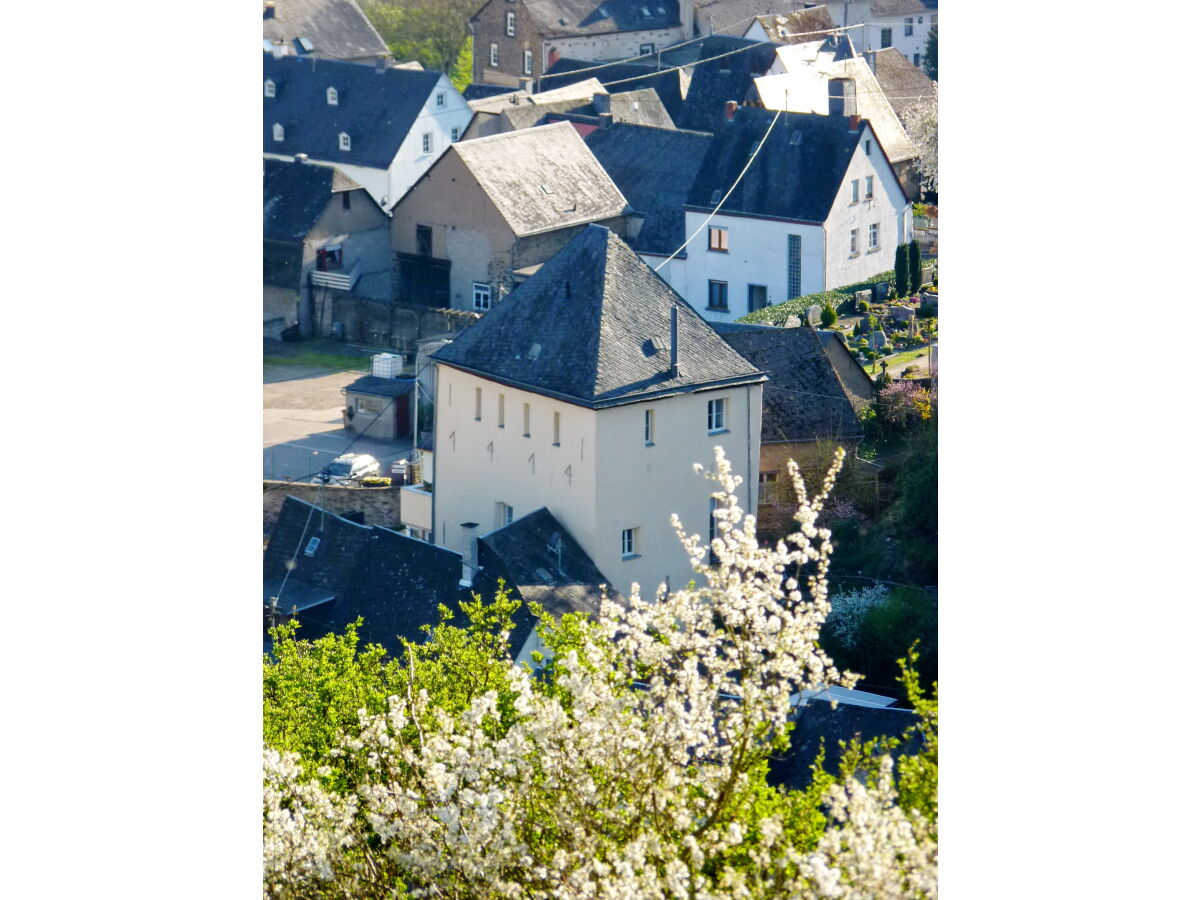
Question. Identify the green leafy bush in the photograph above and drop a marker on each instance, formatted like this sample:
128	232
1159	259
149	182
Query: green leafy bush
776	315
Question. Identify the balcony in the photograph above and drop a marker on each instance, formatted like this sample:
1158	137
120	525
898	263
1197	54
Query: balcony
341	279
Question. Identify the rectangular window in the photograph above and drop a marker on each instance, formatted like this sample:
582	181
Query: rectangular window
917	60
478	404
424	240
867	147
854	191
455	132
873	237
504	514
441	99
494	57
648	427
885	38
499	410
908	25
756	297
525	419
645	49
510	24
718	239
556	421
716	415
482	295
427	142
793	281
718	295
528	62
870	186
371	406
628	543
345	199
853	241
768	482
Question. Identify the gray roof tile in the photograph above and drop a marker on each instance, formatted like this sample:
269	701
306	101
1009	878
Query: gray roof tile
584	329
338	29
568	17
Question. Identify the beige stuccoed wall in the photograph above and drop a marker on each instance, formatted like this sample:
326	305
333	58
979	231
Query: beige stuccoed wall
615	482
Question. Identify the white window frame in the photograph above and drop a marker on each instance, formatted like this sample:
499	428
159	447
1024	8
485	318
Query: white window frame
268	88
648	427
343	141
873	236
908	26
510	24
854	191
427	142
371	406
716	415
504	514
527	63
629	543
494	56
854	242
277	132
481	296
331	96
870	187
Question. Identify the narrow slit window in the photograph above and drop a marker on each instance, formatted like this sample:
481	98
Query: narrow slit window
500	411
648	427
525	419
478	404
557	442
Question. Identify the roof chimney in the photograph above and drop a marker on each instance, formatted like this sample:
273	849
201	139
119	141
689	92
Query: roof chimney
526	84
301	158
853	123
674	341
730	110
606	120
382	64
269	9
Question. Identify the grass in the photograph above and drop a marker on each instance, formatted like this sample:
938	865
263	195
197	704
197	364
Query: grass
312	359
898	361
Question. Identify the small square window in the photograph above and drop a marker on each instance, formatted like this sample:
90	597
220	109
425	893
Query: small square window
718	239
510	24
870	186
482	295
441	99
718	295
494	56
629	543
645	49
873	236
528	62
716	415
427	142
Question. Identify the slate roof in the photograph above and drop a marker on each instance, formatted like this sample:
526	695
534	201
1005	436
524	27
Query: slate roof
820	720
585	328
640	107
557	184
580	90
732	16
394	582
796	181
483	91
730	78
380	387
569	17
666	85
904	85
521	554
805	88
901	7
295	195
338	29
804	399
796	26
654	168
376	108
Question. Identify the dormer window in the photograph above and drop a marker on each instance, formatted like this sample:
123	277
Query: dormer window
268	88
277	132
331	96
343	141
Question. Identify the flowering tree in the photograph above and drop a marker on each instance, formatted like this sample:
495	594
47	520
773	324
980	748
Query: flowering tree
921	122
634	766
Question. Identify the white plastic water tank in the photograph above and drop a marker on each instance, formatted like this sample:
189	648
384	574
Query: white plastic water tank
387	365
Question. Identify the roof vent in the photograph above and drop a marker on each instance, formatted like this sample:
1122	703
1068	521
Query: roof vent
716	197
544	575
546	189
535	351
313	544
306	44
301	158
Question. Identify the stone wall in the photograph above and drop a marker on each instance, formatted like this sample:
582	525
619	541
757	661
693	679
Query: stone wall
379	506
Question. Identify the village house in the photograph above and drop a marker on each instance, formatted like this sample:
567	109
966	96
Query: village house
638	75
591	391
515	39
820	207
808	411
322	29
323	235
828	77
903	24
791	28
655	169
493	209
905	86
734	17
585	102
381	125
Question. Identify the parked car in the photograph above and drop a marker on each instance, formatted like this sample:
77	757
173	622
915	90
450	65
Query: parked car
349	468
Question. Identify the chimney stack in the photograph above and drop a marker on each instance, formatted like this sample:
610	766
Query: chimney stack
674	341
526	85
382	64
606	120
730	110
601	103
853	123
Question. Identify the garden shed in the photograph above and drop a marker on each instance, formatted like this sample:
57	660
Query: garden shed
380	407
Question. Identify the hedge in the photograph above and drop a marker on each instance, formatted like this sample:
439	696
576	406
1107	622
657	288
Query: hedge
776	315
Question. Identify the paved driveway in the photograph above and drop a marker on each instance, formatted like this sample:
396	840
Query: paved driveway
302	424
